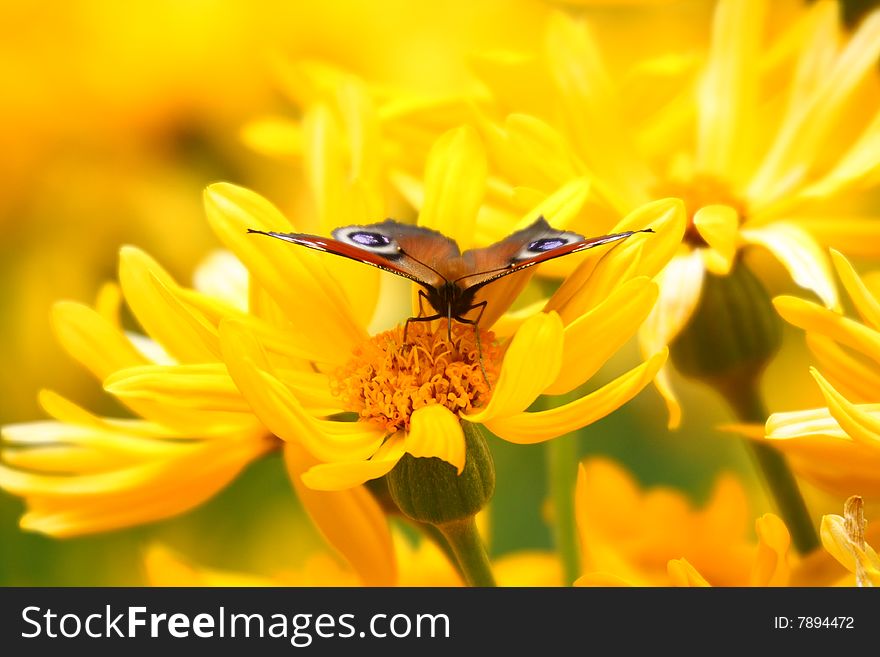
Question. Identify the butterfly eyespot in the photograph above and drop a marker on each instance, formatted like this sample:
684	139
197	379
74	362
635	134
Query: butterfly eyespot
546	244
369	239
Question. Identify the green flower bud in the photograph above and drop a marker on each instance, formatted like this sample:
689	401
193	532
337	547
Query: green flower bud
430	490
733	333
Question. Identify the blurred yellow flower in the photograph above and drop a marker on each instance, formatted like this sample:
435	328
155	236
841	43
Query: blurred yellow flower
421	564
630	536
414	405
769	137
837	447
656	538
80	473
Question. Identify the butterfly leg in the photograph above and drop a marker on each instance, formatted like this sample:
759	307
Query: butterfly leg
420	317
475	323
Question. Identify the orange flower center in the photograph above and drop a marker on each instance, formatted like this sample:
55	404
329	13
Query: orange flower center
388	379
698	192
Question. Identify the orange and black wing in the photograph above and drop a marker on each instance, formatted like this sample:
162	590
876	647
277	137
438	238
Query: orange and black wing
525	248
419	254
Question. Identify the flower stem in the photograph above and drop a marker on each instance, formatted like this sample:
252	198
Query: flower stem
562	460
778	477
467	544
433	534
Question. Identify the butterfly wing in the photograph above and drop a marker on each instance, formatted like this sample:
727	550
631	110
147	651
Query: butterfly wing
512	259
413	252
525	248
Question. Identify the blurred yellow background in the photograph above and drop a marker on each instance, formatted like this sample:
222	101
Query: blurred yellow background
115	117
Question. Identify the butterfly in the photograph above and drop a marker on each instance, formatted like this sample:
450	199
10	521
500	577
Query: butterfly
449	278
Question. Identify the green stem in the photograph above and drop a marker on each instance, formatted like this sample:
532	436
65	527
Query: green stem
562	460
465	541
778	477
433	534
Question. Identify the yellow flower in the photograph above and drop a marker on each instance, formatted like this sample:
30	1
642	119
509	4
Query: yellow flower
844	537
411	398
656	538
421	564
80	473
103	145
837	447
768	136
631	536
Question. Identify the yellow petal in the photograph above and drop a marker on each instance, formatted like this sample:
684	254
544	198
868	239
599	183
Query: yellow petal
801	423
76	449
108	303
682	573
312	389
815	38
810	122
866	304
528	568
755	431
717	225
339	174
504	71
821	451
509	322
204	387
436	431
857	164
274	136
531	363
340	476
300	280
73	505
325	164
668	217
590	107
639	255
222	276
282	413
861	424
855	236
597	335
680	285
153	298
530	151
164	567
771	566
104	350
361	123
528	428
813	318
350	520
455	182
286	349
67	412
92	340
856	378
560	207
727	97
501	294
601	579
804	259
